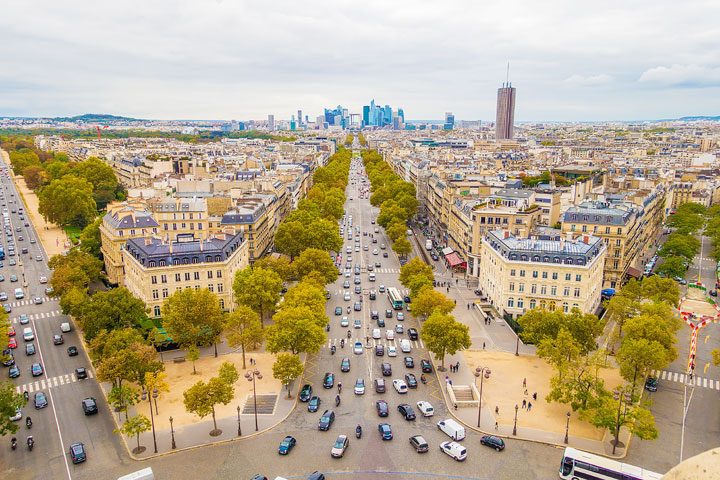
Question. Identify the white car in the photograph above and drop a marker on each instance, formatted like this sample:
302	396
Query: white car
348	250
375	251
376	334
43	279
425	408
358	349
455	450
344	322
400	386
346	296
391	351
359	386
28	334
389	335
357	249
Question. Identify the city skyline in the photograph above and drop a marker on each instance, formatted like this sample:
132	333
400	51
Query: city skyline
220	60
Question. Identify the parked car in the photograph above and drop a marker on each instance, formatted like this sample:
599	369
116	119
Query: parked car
385	431
382	408
386	369
379	385
314	404
411	380
425	408
426	366
305	392
493	442
419	443
454	450
651	384
406	411
341	444
400	386
286	445
326	420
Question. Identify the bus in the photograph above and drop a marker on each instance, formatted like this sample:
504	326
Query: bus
2	253
395	299
579	464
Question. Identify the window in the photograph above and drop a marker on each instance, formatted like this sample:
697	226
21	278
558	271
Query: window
222	303
512	287
521	287
554	276
616	263
156	310
567	277
187	276
161	263
617	242
218	274
533	288
195	260
197	275
578	278
197	287
544	274
152	264
177	277
619	231
543	290
584	228
520	303
577	292
153	279
607	230
155	294
511	302
183	226
163	278
553	290
211	287
565	307
572	228
512	272
522	273
532	303
535	274
220	287
209	273
165	292
566	291
575	305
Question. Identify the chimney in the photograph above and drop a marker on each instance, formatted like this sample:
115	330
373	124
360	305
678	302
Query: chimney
506	234
170	243
148	241
201	244
586	239
569	236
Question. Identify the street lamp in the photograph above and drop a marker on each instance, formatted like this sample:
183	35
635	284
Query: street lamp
251	375
239	428
145	394
621	397
515	424
483	373
172	434
567	428
155	397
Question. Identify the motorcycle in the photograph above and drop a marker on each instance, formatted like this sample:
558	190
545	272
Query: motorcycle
342	343
332	350
13	443
423	379
30	443
339	388
349	334
28	422
358	431
26	394
327	327
348	309
337	400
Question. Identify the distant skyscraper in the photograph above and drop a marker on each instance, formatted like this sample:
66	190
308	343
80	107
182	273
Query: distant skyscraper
271	122
449	121
299	118
401	114
505	117
366	115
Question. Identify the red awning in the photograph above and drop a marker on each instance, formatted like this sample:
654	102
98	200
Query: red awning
454	259
633	272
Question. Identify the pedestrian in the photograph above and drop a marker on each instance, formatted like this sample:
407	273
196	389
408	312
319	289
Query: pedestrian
496	426
524	382
497	410
535	396
483	345
455	301
526	392
451	383
524	403
455	406
251	361
457	366
448	289
447	379
456	281
529	406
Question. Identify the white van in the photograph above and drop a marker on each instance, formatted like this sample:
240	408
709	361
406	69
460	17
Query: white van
65	327
144	474
19	293
452	429
405	345
372	276
455	450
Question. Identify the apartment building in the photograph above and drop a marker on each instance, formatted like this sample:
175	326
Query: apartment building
179	216
155	269
256	221
548	272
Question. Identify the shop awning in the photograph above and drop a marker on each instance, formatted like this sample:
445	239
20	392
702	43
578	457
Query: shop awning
447	251
454	259
633	272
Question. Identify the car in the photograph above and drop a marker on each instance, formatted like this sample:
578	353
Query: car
24	319
8	357
345	364
36	369
338	310
28	334
341	444
89	406
344	322
81	373
411	380
314	404
14	371
329	380
426	366
30	349
49	290
2	277
381	322
11	331
77	453
379	385
7	307
72	351
58	340
357	323
358	289
43	279
346	284
357	281
407	299
385	431
37	300
347	274
425	408
389	335
388	313
400	316
346	296
18	415
391	351
12	342
713	293
373	295
419	443
306	392
357	249
3	297
400	386
378	265
413	334
359	386
13	278
357	307
379	350
493	442
435	257
385	254
409	362
386	369
357	348
454	450
382	408
651	384
40	400
406	411
32	240
381	289
326	420
370	267
376	334
12	263
286	445
374	315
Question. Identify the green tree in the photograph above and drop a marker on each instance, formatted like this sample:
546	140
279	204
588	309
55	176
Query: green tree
415	267
287	367
202	398
402	247
68	202
22	159
296	329
122	397
110	310
193	318
562	352
429	300
290	238
306	294
279	264
314	260
77	269
391	212
618	309
35	177
102	178
90	239
323	235
134	426
243	329
538	324
193	354
228	373
444	335
121	357
10	401
660	289
673	267
257	288
396	231
610	414
638	356
578	382
156	381
679	245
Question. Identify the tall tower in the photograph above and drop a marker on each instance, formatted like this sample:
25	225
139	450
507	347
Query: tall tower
505	116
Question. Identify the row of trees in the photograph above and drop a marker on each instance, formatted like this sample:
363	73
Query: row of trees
10	400
314	223
395	197
682	245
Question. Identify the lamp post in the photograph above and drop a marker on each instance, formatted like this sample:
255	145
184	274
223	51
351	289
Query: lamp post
483	373
515	424
172	434
146	394
621	397
239	427
251	375
517	345
567	428
155	397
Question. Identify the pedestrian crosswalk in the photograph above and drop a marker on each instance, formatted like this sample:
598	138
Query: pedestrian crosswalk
682	378
373	342
38	316
52	382
387	270
367	287
30	301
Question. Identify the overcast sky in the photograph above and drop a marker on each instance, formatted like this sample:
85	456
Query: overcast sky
225	59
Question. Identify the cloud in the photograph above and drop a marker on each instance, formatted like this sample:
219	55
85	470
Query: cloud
589	80
678	75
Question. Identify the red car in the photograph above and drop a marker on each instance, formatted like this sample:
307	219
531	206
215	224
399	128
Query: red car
12	343
11	331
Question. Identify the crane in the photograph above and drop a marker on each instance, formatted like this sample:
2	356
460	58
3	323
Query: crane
97	127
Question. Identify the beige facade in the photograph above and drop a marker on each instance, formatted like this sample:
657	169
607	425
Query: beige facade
520	274
155	269
179	216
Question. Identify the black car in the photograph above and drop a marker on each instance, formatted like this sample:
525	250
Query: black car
409	362
8	357
314	404
77	453
406	411
386	369
316	476
345	365
306	393
382	408
58	340
426	366
380	385
388	313
81	373
374	315
407	299
328	417
651	384
379	350
14	371
493	442
412	334
411	380
381	322
89	406
329	380
72	351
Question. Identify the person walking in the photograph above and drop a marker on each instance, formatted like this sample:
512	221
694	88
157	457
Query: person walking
535	396
524	382
524	403
483	345
529	406
497	410
496	426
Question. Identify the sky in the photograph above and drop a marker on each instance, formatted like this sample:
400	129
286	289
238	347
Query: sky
570	60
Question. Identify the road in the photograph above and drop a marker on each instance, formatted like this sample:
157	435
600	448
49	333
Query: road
63	421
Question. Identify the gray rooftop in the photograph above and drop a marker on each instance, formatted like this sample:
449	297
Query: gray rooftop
130	218
579	251
151	252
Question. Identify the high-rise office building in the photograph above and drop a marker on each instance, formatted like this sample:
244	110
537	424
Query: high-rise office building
366	115
449	121
299	118
505	117
271	122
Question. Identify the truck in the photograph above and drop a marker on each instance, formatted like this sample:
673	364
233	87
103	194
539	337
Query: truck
144	474
428	245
